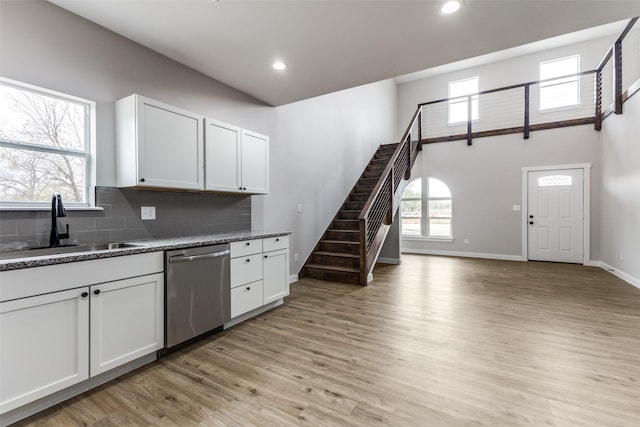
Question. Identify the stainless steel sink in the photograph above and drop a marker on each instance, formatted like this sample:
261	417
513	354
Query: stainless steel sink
34	252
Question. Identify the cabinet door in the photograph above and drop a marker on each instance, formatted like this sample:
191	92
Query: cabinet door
127	321
255	162
275	273
246	298
170	146
44	346
222	156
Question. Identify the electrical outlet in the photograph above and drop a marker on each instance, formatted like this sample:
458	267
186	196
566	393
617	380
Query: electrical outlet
296	258
299	207
147	213
621	255
516	207
466	241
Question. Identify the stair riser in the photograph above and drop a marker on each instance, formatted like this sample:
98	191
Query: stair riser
335	261
345	248
348	215
356	206
344	236
333	276
346	225
372	174
359	197
367	182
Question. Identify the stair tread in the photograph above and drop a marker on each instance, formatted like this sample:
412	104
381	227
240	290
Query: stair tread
333	268
340	241
340	254
343	231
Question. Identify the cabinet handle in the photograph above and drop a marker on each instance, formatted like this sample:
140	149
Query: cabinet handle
266	256
84	294
248	288
96	292
247	244
239	188
277	240
248	260
141	179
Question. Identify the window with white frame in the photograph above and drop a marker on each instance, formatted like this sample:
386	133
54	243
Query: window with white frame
438	223
45	146
459	105
560	92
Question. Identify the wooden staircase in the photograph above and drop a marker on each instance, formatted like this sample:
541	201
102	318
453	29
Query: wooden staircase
336	257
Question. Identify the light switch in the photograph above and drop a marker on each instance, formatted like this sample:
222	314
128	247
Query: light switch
299	207
516	207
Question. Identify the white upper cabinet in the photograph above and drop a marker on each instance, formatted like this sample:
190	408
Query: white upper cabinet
236	160
158	145
254	162
222	156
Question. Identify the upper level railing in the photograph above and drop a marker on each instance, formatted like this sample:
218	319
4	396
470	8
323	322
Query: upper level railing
531	106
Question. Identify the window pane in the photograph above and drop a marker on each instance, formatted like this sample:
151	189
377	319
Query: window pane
559	67
32	176
411	208
438	188
440	208
411	227
413	190
463	87
440	227
555	180
561	95
40	119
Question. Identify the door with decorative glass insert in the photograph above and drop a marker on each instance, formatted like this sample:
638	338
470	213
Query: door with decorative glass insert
555	217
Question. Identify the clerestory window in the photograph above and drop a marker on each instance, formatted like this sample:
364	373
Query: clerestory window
459	105
560	92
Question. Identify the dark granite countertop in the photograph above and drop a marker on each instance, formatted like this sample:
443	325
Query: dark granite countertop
141	246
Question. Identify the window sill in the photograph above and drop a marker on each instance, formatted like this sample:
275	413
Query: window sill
47	208
428	239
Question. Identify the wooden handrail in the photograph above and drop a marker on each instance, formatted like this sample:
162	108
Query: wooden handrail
382	197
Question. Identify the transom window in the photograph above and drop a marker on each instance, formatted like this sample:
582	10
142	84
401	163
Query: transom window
438	206
564	91
44	146
458	108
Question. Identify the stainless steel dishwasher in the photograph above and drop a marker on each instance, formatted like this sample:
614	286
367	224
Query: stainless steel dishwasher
197	293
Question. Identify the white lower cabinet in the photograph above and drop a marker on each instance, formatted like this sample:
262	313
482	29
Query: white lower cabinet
44	346
126	321
259	273
50	341
275	273
245	298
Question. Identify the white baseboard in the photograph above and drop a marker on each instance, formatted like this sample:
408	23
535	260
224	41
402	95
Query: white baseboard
624	276
388	260
464	254
592	263
293	278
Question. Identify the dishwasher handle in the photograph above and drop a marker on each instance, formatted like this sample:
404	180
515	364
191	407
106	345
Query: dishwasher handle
197	257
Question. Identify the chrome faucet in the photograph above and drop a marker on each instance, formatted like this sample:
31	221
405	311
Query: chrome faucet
57	211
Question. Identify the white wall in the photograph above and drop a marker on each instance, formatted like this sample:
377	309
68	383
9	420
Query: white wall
485	179
485	182
620	202
324	144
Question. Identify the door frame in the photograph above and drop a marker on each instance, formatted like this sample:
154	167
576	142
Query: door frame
586	207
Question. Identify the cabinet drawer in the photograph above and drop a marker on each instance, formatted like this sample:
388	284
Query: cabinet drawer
246	298
246	247
246	269
275	243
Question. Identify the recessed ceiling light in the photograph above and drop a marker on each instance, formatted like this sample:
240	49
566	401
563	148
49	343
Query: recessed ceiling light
450	7
279	65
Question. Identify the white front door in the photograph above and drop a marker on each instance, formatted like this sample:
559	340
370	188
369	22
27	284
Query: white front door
555	217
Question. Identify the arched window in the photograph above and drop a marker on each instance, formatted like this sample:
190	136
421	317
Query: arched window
437	204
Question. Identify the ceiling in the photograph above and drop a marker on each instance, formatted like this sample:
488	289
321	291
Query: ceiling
329	45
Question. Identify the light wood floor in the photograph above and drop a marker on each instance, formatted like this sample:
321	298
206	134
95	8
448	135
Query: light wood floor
432	342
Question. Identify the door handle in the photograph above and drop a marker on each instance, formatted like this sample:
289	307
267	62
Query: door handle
196	257
530	222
